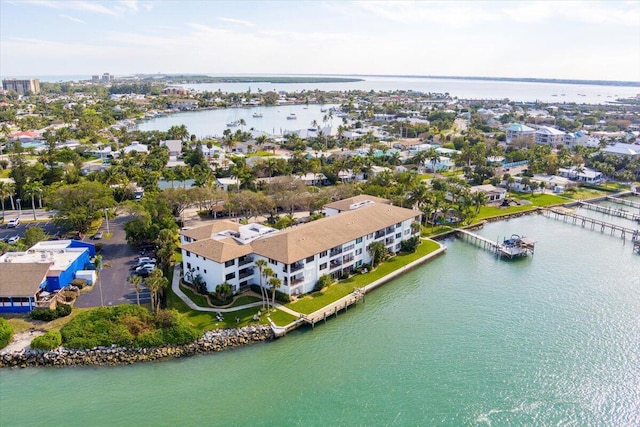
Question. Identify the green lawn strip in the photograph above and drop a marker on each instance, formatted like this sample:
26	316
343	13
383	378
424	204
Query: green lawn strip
428	231
540	199
585	193
199	300
245	299
206	321
280	318
491	211
317	300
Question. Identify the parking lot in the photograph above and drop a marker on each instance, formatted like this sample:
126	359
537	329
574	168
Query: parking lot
113	287
48	226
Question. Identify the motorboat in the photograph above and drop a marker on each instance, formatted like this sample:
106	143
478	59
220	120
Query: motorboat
233	124
257	115
292	116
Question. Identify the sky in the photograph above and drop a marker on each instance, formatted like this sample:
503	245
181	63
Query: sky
568	40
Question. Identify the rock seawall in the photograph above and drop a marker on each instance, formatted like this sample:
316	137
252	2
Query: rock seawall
211	341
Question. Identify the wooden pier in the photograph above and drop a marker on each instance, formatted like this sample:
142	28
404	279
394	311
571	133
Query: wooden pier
333	309
608	210
567	215
622	201
515	247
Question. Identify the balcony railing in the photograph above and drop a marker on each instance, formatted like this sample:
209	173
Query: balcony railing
335	263
348	248
245	273
295	267
388	241
348	258
296	281
245	261
335	251
379	234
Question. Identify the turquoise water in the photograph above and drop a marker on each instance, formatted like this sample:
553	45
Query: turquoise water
466	339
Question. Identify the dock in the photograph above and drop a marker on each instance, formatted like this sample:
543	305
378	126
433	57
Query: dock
608	210
567	215
622	201
514	247
333	309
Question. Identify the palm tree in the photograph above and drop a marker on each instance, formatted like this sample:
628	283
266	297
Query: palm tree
261	264
32	188
7	189
156	282
479	199
268	273
275	283
136	281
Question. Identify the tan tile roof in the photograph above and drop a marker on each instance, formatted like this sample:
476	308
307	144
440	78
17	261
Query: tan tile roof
343	205
221	250
21	279
206	231
297	243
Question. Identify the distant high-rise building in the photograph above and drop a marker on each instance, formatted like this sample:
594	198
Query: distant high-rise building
106	77
21	86
95	78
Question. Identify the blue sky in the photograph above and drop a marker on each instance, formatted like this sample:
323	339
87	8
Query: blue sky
581	40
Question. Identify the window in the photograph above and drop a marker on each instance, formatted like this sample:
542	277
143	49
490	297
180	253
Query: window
323	254
359	240
188	266
188	253
406	232
323	266
230	276
398	235
359	264
311	258
358	251
273	261
198	268
399	225
205	271
230	263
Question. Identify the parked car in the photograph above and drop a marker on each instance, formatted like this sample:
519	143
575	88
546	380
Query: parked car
146	260
97	236
145	270
13	223
13	239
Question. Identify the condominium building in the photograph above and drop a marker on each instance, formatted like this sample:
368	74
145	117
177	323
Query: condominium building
546	135
225	251
22	86
517	130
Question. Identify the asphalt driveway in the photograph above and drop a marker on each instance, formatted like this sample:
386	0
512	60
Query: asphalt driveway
113	287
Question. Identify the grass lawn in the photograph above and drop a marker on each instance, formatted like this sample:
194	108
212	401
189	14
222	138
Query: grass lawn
585	193
491	211
280	318
205	320
317	300
541	200
427	231
260	153
199	300
4	173
23	322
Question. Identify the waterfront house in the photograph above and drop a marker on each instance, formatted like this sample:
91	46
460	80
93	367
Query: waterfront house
300	255
583	174
20	284
494	194
47	266
622	150
136	146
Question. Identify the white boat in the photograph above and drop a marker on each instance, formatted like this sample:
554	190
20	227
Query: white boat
323	110
257	115
233	124
292	116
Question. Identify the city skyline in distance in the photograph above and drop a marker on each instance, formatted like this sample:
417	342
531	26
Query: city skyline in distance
547	40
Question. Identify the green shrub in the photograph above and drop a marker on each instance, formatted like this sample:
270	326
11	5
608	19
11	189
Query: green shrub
44	314
48	341
324	280
63	310
6	332
127	325
409	246
282	297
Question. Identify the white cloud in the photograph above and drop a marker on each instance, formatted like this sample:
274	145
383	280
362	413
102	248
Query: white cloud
72	19
236	21
85	6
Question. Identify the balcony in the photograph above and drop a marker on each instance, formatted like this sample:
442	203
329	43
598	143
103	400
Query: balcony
335	263
245	273
335	251
296	281
348	258
348	248
296	267
245	261
388	240
391	230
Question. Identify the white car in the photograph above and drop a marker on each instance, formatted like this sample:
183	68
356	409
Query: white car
13	223
13	239
146	260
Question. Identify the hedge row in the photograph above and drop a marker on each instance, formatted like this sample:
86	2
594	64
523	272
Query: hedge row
6	332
